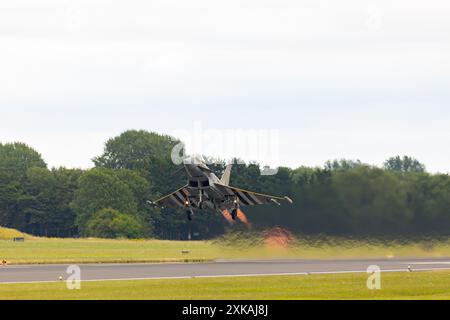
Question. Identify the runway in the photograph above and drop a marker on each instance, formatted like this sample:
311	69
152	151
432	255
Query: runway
103	272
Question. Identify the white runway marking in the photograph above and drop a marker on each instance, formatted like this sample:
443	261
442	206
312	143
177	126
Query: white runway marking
430	263
235	276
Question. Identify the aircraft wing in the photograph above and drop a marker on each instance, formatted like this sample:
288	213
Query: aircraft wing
250	198
176	199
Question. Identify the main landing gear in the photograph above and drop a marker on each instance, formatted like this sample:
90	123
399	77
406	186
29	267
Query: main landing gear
234	214
189	214
189	211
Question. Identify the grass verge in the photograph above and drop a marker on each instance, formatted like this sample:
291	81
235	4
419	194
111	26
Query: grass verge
395	286
41	250
237	246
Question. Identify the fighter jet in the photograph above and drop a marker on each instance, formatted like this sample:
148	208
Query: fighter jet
205	191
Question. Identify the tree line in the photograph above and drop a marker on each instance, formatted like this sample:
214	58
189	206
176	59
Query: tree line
344	197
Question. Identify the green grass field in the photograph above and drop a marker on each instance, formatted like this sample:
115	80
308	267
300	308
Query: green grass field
98	250
47	250
426	285
8	234
400	286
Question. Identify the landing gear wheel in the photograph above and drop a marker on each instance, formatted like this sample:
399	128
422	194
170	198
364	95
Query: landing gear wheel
189	215
234	214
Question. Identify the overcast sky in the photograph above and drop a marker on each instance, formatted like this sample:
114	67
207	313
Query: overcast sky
334	79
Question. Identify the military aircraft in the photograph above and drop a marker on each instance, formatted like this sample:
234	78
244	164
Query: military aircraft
205	191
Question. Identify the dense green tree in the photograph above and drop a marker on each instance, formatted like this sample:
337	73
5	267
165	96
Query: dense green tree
49	194
99	189
371	201
135	150
16	158
142	191
429	198
404	165
150	155
66	183
302	175
11	196
39	188
140	187
343	165
345	197
110	223
315	199
146	153
15	161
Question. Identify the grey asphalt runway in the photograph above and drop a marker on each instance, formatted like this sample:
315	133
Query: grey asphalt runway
101	272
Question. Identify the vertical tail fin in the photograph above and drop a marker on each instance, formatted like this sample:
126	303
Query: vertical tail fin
226	175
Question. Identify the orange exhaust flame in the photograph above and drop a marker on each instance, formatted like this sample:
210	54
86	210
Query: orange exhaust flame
227	215
278	238
241	216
